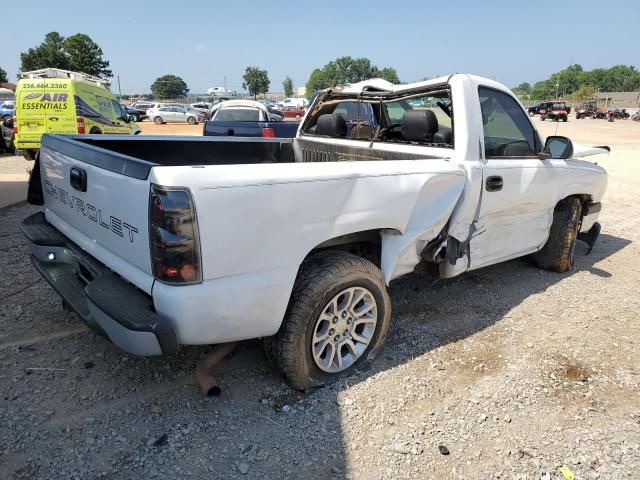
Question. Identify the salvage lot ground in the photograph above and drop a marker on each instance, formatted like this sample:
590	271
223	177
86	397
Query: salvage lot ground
516	371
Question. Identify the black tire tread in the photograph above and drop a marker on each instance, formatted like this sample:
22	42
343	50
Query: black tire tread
313	274
557	253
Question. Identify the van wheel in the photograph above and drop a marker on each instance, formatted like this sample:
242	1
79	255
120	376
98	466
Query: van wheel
95	131
558	253
158	121
191	121
338	316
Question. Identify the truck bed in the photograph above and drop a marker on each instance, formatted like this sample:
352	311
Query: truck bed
134	156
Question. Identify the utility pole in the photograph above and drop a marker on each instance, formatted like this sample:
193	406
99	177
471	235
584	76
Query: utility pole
119	91
225	83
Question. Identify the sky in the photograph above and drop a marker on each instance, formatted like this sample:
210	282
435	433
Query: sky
206	41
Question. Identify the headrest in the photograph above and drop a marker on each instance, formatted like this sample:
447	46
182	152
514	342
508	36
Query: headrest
443	135
331	125
419	125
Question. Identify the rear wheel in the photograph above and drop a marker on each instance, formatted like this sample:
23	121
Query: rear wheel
542	118
30	154
531	114
191	121
95	131
297	116
558	253
158	121
338	315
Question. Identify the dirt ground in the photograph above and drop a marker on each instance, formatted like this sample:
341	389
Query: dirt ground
508	372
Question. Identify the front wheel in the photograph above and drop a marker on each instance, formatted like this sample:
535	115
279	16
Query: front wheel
542	118
191	121
157	121
531	114
558	253
338	316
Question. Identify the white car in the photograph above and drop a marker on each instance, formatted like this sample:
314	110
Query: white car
175	114
293	103
243	111
221	92
162	242
202	107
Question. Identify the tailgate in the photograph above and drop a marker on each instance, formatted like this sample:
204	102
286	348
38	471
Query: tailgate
233	129
99	199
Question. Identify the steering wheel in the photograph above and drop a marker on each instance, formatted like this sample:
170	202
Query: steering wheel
383	131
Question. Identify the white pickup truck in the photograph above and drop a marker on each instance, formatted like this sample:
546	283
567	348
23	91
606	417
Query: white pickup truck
159	242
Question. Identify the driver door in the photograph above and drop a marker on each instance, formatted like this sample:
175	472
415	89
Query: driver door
519	190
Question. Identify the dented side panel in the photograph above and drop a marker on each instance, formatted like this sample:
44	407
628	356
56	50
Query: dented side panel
258	222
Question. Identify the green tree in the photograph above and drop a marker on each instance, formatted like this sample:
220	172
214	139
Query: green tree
584	93
256	81
389	74
86	56
287	85
3	76
78	52
347	70
169	87
49	54
317	81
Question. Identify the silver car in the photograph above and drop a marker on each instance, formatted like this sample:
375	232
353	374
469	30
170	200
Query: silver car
176	114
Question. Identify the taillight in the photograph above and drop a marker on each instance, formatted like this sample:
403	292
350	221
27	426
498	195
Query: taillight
268	132
80	125
175	251
15	125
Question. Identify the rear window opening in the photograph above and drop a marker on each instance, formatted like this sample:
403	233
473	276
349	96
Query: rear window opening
424	118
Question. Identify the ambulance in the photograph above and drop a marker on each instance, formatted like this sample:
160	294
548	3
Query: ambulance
52	100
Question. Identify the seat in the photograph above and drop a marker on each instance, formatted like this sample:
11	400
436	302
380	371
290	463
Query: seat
419	125
331	125
443	135
361	131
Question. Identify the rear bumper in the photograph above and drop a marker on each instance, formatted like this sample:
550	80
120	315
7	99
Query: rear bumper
105	301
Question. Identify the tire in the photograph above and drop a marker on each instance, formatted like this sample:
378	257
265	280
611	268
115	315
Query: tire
158	121
531	114
327	280
558	253
30	154
564	119
542	118
297	117
95	131
192	121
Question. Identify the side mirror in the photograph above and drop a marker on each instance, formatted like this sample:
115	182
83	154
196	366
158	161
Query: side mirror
557	147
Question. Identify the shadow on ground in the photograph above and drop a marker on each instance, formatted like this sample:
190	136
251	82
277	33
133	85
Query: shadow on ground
107	415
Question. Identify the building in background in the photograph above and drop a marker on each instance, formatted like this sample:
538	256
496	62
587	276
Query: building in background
618	99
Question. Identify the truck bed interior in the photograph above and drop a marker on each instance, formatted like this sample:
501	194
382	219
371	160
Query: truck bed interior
164	150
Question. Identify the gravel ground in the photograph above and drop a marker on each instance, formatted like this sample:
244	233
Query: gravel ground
507	372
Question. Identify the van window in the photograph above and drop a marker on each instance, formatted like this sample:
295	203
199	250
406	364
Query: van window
118	109
104	106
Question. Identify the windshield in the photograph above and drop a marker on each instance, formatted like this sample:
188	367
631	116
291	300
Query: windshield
237	115
558	106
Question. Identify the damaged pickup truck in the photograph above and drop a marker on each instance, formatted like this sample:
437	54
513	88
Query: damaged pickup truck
159	242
